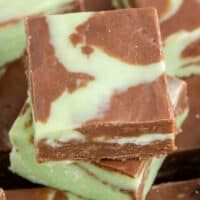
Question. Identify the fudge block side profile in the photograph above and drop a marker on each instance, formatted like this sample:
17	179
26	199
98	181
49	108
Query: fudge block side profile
105	96
130	179
116	180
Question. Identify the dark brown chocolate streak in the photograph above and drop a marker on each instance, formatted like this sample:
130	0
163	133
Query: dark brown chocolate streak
186	18
190	138
106	183
140	32
43	63
96	5
192	50
60	196
13	88
191	63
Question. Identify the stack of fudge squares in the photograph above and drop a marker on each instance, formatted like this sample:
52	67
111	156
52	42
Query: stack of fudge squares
92	103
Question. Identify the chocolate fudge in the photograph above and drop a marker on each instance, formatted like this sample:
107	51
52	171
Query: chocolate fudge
95	5
13	89
108	101
185	190
130	179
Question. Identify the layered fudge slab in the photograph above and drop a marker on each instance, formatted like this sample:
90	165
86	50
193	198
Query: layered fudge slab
131	179
40	194
180	31
94	95
95	5
2	195
13	89
113	180
12	31
184	190
187	155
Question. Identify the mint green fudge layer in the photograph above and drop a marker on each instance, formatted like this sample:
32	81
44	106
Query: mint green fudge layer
12	30
84	179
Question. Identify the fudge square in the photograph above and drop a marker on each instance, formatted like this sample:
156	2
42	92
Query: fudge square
115	180
98	86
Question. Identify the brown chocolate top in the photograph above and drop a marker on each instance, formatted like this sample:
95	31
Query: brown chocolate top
192	50
50	77
13	89
96	5
186	18
35	194
137	28
2	195
185	190
190	138
162	6
132	168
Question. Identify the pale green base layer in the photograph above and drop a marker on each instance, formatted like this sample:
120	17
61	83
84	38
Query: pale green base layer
70	176
12	40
